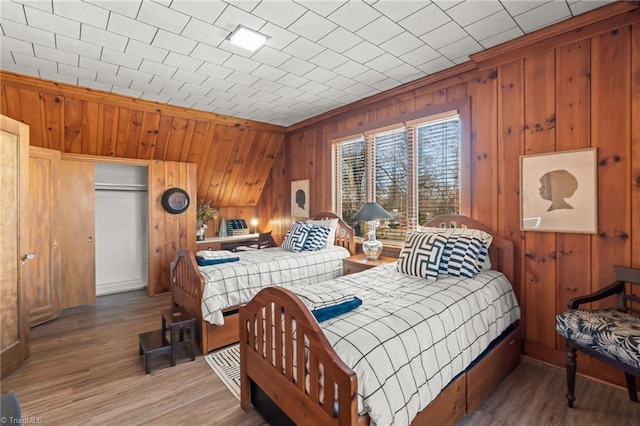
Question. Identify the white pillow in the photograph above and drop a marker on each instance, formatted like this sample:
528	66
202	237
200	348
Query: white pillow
329	223
485	237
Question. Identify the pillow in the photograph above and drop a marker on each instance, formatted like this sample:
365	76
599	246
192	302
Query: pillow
296	236
215	254
421	255
485	237
317	238
461	256
331	223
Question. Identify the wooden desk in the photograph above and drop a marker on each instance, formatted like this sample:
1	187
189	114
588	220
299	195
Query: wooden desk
224	243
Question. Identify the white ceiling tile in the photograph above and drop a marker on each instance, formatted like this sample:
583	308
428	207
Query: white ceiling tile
241	100
182	103
516	7
207	11
128	8
491	25
165	82
380	30
466	46
145	50
217	84
113	80
210	54
214	70
401	44
402	72
46	21
139	76
312	26
99	66
436	65
285	101
320	75
425	20
332	93
146	88
119	58
241	90
340	40
420	55
384	62
162	17
242	78
82	12
45	5
79	47
77	72
153	67
16	45
268	72
303	48
280	13
102	38
12	11
246	5
543	15
350	69
6	57
364	52
328	59
509	34
203	100
447	4
127	92
354	15
278	37
446	34
56	55
131	28
21	69
472	11
155	98
92	84
27	34
265	85
358	89
54	76
205	33
239	63
232	16
287	94
398	10
313	87
220	95
587	5
270	56
386	84
309	98
232	48
195	89
266	97
370	77
297	66
322	7
189	77
182	61
292	80
31	61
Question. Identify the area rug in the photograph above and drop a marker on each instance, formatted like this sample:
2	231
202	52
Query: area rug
226	364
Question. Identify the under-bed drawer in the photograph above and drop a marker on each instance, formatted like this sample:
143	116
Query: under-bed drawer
489	371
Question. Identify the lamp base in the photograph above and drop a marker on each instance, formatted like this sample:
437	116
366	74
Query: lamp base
372	249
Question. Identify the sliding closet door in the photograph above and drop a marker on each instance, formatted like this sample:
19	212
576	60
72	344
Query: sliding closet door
77	233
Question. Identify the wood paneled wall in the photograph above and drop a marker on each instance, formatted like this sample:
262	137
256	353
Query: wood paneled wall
575	89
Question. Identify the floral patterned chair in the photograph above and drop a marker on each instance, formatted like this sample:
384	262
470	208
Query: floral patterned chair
609	335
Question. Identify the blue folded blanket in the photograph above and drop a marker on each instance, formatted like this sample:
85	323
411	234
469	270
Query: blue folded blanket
323	314
201	261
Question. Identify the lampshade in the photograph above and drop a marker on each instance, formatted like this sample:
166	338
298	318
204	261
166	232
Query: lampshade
371	211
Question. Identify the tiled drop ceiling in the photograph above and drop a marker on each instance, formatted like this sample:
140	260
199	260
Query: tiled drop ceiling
320	55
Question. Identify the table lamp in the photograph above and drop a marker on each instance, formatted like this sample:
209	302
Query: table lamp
370	212
254	223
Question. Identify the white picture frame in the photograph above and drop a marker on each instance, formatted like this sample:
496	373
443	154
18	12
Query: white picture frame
558	192
300	198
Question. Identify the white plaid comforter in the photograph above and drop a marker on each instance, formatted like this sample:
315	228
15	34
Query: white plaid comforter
235	283
411	336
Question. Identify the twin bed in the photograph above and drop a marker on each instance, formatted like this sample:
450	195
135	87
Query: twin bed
415	351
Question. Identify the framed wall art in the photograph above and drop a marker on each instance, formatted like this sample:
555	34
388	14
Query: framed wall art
558	192
300	198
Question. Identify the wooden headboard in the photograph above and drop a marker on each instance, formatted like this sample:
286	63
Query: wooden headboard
501	250
345	234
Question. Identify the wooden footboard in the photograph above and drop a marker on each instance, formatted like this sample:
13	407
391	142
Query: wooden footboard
270	360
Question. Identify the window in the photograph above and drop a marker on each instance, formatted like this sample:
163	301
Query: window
412	171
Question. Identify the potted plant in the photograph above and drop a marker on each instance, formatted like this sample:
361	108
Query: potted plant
204	213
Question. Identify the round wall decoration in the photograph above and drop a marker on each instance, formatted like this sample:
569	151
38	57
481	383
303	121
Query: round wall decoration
175	200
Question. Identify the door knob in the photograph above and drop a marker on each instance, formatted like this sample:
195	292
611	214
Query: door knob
90	239
27	256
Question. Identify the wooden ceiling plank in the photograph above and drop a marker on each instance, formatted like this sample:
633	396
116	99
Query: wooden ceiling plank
148	135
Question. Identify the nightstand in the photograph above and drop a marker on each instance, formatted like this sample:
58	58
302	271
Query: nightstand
359	263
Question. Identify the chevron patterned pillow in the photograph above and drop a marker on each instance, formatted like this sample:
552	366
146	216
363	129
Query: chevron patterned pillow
296	236
421	255
317	238
462	256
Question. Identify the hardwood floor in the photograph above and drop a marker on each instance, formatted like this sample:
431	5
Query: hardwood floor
85	369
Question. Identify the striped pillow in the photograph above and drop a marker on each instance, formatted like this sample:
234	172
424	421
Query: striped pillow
296	236
421	255
462	256
317	238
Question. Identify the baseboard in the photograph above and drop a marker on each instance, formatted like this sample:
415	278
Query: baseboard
119	287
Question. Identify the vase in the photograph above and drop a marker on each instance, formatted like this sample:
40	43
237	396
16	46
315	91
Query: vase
223	228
